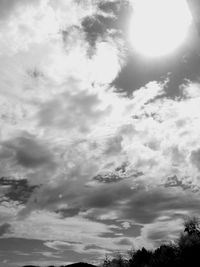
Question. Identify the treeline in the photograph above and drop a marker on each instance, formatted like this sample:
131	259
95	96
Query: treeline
184	252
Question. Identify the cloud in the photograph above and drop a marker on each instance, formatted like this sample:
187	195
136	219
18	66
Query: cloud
124	200
57	245
195	157
108	178
147	206
8	7
162	231
139	205
126	203
111	19
106	195
16	190
28	152
125	242
173	181
91	166
4	228
76	232
71	111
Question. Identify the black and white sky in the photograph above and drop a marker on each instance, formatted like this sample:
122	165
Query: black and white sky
99	143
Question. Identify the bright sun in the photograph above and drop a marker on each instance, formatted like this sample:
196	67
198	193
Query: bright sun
158	27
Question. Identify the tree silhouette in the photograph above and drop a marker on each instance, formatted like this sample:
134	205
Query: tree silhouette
165	255
192	226
140	258
106	261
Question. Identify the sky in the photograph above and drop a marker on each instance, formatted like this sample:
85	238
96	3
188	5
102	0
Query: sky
99	145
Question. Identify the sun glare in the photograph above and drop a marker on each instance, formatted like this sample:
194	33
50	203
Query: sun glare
158	27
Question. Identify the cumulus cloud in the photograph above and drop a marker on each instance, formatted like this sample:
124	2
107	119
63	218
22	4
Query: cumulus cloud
71	111
8	7
28	152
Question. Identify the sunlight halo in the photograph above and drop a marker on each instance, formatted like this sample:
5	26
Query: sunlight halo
158	27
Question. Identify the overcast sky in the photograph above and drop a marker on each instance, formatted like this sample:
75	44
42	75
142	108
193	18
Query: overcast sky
99	146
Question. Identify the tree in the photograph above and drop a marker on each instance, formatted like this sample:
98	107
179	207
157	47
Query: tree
140	258
119	261
192	226
165	255
106	262
191	235
189	243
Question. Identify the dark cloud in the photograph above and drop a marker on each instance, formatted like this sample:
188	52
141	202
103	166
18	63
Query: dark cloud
35	73
140	205
51	198
122	168
177	155
109	235
69	212
119	174
7	7
133	231
124	242
117	18
94	28
69	111
99	200
107	196
13	247
5	228
29	152
174	181
122	11
31	252
157	235
147	206
80	199
114	145
195	158
18	190
108	178
92	246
